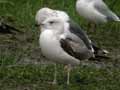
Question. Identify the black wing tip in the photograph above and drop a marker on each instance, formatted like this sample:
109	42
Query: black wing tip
119	17
111	19
100	58
100	54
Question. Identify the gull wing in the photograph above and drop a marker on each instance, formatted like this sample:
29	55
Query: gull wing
75	49
102	8
76	29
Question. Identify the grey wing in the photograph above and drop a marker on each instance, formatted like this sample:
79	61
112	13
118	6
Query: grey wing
75	49
80	38
76	30
103	9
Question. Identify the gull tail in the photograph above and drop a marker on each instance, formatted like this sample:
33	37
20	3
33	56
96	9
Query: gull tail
102	53
99	53
113	17
119	19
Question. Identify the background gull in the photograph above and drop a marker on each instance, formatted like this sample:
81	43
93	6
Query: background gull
95	11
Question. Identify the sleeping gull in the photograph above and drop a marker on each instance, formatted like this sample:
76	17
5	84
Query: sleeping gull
95	11
60	47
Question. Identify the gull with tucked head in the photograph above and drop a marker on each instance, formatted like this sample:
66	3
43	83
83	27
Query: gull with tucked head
60	48
63	41
44	13
74	28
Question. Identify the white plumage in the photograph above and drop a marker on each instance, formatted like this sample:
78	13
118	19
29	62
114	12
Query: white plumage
50	43
44	13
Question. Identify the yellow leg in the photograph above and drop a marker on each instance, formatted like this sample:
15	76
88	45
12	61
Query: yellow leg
55	74
92	27
68	68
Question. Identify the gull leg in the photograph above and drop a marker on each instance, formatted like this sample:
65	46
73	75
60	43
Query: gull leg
93	27
55	74
68	74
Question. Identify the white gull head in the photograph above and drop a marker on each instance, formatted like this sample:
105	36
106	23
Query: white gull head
42	14
45	13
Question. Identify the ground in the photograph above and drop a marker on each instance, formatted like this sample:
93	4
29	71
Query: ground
22	66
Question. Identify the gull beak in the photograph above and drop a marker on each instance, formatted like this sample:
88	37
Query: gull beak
37	25
41	24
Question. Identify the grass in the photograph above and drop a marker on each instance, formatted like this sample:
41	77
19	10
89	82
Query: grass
17	74
83	78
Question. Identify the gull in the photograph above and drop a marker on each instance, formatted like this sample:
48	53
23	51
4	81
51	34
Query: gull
44	13
71	30
60	47
95	11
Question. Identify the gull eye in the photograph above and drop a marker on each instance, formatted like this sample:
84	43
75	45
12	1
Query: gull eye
51	22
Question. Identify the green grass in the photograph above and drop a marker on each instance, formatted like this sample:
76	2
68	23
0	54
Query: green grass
82	78
17	75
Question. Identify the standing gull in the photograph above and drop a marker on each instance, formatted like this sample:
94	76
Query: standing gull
75	29
44	13
60	48
95	11
71	30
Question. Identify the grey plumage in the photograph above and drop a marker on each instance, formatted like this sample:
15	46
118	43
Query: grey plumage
75	49
76	29
95	11
103	9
